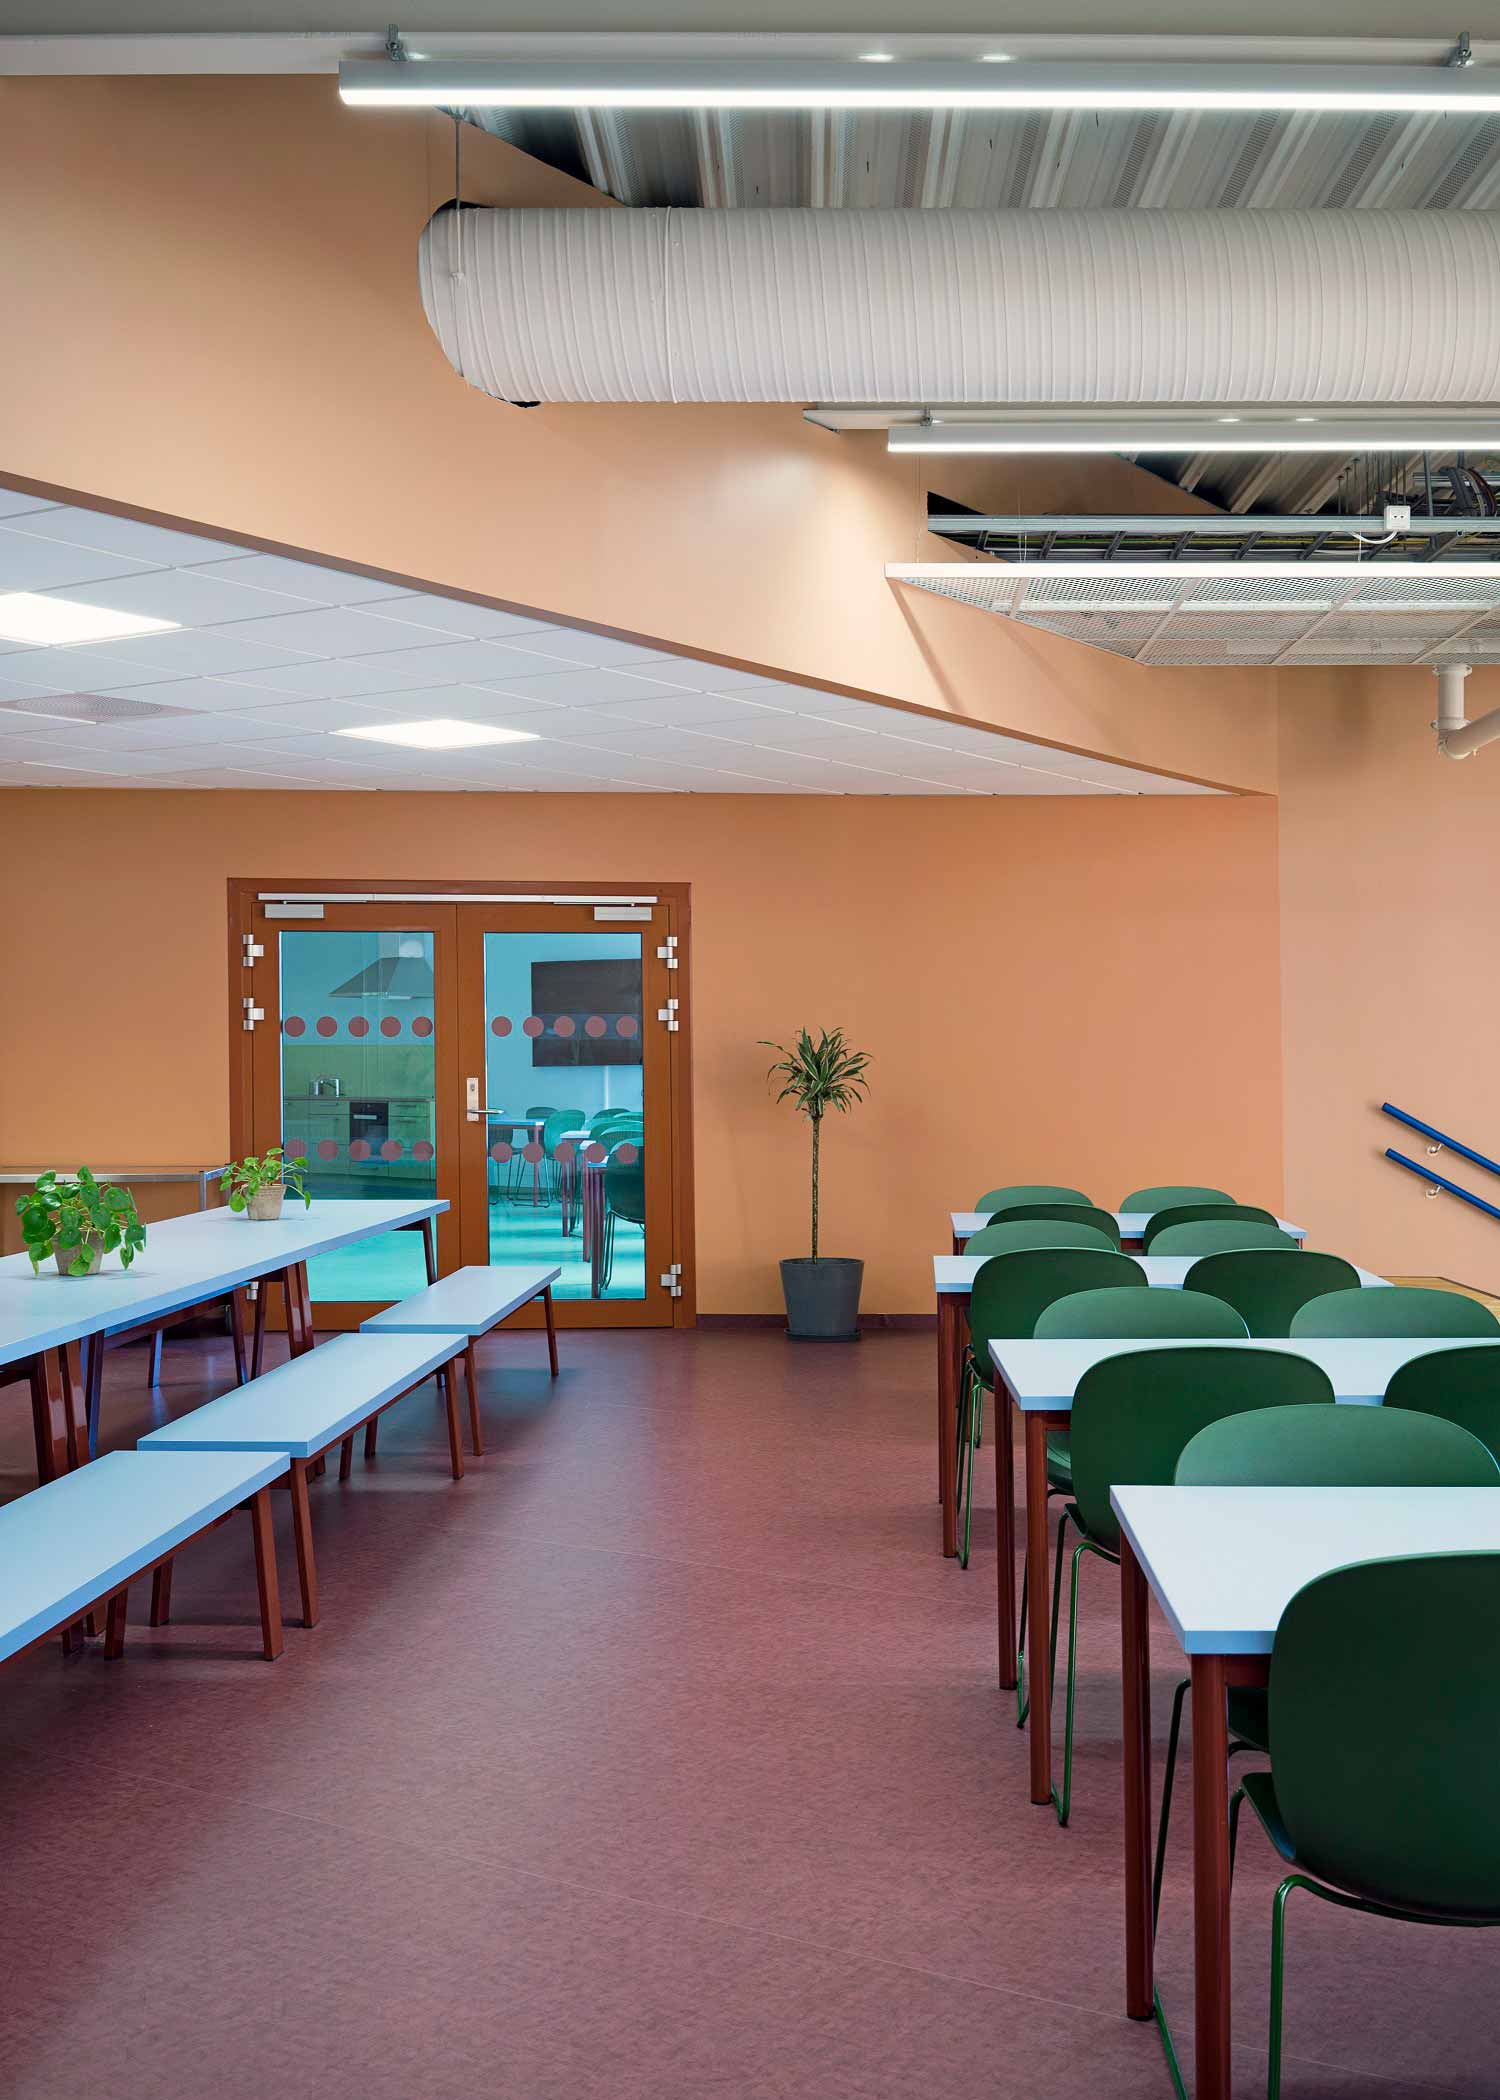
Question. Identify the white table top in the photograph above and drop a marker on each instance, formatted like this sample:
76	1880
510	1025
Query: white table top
1043	1376
956	1272
1224	1563
184	1261
302	1405
78	1537
1132	1223
470	1301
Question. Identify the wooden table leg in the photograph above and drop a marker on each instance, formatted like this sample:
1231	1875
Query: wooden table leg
93	1384
258	1342
303	1293
1005	1537
372	1430
161	1595
551	1329
1211	1875
455	1436
958	1244
153	1365
237	1335
429	1247
69	1364
265	1573
1038	1631
114	1625
1135	1630
471	1373
307	1567
949	1366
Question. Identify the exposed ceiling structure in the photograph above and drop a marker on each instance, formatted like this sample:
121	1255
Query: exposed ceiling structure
270	658
1189	613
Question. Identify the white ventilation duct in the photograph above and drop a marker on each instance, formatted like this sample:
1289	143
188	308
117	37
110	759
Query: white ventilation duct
1458	737
1000	307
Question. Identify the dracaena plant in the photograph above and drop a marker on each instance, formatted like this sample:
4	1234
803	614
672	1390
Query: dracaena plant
818	1076
73	1214
246	1176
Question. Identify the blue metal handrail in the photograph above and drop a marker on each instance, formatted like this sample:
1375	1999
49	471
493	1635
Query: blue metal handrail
1452	1187
1441	1137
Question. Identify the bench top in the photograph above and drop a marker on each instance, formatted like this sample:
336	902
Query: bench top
470	1301
67	1544
303	1406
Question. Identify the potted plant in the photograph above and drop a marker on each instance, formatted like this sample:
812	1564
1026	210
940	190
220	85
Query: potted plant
257	1187
79	1220
821	1290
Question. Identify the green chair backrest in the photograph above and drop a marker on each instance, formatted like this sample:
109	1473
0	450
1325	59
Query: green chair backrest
1403	1309
1132	1415
1103	1221
541	1113
1011	1290
1384	1715
1338	1447
1171	1193
1461	1385
1029	1192
1194	1213
557	1124
625	1187
1267	1284
601	1116
1131	1315
1206	1237
1007	1234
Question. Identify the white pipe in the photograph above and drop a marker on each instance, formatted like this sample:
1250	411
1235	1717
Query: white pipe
1457	736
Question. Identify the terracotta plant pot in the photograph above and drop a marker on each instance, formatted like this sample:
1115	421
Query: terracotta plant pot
265	1204
66	1256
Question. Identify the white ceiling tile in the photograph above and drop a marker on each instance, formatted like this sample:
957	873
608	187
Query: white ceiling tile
208	695
304	580
28	564
573	645
153	545
190	652
328	679
331	630
289	717
479	623
586	687
189	596
681	710
13	503
719	678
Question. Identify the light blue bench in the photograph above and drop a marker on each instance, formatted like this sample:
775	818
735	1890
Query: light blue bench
471	1302
79	1541
303	1408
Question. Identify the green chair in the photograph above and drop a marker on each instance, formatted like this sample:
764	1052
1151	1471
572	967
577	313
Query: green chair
1132	1416
1009	1293
1384	1710
1460	1385
1130	1315
1228	1237
1268	1284
540	1115
1404	1309
1008	1235
1029	1192
624	1197
1171	1194
1103	1221
1162	1221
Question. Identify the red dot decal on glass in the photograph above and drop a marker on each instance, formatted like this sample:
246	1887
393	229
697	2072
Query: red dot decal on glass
594	1154
500	1153
390	1025
421	1025
533	1025
500	1025
327	1025
566	1151
533	1154
626	1155
627	1025
328	1148
360	1149
294	1025
421	1149
564	1026
392	1149
595	1025
359	1026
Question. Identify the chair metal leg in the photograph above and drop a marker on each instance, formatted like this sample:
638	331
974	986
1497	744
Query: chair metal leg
1063	1802
1174	1736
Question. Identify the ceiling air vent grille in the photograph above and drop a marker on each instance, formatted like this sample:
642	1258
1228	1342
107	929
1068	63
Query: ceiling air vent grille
91	707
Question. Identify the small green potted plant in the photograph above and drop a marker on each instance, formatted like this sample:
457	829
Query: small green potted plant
78	1220
257	1187
821	1290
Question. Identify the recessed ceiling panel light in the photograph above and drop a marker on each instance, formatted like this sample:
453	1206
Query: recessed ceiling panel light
995	58
878	58
52	623
441	734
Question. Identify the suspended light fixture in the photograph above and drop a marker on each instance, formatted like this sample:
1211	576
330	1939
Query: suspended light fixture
1130	430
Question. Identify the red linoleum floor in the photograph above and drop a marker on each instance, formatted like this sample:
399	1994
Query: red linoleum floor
660	1759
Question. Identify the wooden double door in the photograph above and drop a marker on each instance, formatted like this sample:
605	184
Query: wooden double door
522	1056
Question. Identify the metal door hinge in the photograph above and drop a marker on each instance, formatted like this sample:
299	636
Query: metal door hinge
253	1013
671	1281
668	1013
252	950
667	952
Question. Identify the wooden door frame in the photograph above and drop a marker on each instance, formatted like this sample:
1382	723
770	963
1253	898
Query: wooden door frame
675	897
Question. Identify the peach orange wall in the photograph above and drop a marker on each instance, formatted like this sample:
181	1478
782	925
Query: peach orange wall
1080	989
212	313
1390	885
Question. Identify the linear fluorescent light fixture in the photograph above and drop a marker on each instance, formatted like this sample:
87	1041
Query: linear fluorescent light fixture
40	622
1417	431
784	83
440	734
1382	571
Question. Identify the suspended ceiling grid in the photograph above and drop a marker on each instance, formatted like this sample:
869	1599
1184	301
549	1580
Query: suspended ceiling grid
1239	620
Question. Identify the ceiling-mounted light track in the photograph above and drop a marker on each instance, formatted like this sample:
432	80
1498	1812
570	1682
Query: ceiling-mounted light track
1406	430
898	83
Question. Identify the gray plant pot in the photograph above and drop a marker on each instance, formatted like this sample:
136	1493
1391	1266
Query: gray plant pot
265	1205
66	1256
822	1298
